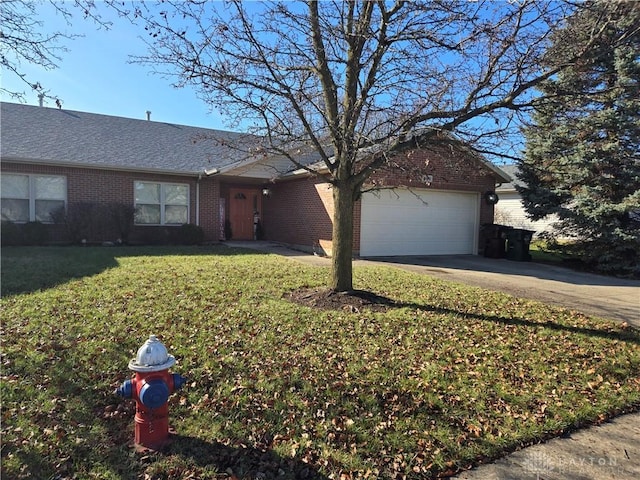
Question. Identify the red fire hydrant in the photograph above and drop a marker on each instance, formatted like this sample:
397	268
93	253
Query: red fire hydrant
150	388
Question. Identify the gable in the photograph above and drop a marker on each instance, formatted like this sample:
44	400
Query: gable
438	166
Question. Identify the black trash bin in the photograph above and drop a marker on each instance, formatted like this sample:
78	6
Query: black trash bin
518	240
494	240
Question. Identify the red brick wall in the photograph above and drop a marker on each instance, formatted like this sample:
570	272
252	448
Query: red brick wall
298	212
448	170
88	185
209	208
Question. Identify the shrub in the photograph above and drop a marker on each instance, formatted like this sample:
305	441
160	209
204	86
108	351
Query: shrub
79	220
154	235
30	233
189	234
122	216
11	234
34	233
96	222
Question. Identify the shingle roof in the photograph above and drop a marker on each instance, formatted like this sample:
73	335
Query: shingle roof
510	170
65	137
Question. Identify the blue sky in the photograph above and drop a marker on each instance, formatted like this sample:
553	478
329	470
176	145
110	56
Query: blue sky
94	76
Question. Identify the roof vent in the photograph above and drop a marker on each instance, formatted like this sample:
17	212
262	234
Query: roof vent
149	115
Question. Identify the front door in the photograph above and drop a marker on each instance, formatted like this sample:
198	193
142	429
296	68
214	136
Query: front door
243	204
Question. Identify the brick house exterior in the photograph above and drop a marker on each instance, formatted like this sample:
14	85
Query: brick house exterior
444	168
101	161
102	188
298	212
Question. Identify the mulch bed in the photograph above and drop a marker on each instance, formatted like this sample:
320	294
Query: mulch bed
352	301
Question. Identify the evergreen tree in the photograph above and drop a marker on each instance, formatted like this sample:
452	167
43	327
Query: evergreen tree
582	157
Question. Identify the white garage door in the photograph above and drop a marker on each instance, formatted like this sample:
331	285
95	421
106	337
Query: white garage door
418	222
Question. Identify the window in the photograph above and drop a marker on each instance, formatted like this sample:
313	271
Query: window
161	203
29	198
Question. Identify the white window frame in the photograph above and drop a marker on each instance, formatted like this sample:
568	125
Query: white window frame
32	194
162	204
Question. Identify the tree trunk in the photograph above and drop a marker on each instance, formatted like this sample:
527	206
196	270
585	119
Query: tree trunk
342	246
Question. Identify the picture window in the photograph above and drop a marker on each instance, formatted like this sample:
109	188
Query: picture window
161	203
32	198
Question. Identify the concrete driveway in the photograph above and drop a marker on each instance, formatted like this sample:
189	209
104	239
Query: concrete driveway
607	297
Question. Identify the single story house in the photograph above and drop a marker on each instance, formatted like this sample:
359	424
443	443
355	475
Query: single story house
510	209
429	200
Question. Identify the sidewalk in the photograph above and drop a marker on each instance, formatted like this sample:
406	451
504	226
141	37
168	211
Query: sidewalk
610	451
604	452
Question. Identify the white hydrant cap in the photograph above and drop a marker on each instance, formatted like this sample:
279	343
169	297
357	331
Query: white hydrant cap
152	357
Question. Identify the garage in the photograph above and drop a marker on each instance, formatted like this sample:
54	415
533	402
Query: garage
418	222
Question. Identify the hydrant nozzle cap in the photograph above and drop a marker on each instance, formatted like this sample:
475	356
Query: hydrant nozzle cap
152	357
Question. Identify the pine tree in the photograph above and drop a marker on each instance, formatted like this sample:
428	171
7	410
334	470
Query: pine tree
582	156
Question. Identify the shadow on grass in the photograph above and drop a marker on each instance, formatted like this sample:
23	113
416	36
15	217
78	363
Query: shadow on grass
629	334
30	269
241	462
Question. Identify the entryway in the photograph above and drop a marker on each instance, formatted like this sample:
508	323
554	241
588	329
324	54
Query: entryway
244	206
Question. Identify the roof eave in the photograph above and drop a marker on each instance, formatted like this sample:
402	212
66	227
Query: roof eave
505	177
94	166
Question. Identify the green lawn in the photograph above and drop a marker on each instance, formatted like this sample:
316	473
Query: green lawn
541	252
450	376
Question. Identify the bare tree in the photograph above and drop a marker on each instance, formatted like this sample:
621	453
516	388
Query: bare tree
340	77
24	38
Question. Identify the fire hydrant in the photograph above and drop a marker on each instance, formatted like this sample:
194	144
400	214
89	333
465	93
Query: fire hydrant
150	388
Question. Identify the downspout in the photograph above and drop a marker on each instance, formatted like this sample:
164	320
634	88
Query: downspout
198	199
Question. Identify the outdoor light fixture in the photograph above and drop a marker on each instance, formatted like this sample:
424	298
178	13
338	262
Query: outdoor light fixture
491	198
266	192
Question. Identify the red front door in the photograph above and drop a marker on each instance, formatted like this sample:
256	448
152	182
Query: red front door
243	203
